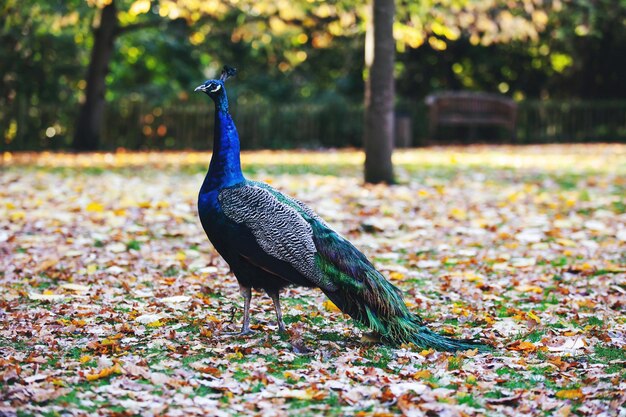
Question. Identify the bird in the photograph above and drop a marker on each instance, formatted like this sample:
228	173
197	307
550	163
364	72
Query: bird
271	241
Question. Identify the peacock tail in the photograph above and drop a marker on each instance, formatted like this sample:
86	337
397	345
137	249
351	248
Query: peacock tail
366	296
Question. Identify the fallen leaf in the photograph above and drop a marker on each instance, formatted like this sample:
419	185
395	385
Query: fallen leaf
105	372
95	207
522	346
570	394
149	318
568	345
176	299
46	297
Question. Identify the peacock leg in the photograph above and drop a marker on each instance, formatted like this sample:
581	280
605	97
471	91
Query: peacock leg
279	314
246	292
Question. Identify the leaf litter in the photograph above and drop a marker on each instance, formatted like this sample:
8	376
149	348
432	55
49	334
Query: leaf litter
113	300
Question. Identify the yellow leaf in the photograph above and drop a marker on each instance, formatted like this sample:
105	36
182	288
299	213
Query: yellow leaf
532	316
59	382
460	311
529	288
108	342
105	372
586	303
566	242
513	197
423	374
523	346
157	323
95	207
46	296
139	7
458	213
570	394
180	256
17	215
196	38
84	358
397	276
91	268
236	355
473	277
330	306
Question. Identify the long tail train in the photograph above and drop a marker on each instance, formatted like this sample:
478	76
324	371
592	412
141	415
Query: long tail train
380	307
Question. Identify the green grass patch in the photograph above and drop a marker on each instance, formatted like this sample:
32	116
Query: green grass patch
469	400
605	354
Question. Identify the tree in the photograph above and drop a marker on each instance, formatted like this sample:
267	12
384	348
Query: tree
311	51
89	121
254	18
91	113
380	94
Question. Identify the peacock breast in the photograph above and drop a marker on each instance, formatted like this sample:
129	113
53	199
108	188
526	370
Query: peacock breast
214	221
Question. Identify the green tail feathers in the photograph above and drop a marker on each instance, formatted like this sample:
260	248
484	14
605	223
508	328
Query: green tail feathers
401	330
376	303
408	328
359	290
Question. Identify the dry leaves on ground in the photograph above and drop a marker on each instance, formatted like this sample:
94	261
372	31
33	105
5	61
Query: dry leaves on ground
112	299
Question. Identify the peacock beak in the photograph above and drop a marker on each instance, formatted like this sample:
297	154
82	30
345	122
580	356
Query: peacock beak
201	87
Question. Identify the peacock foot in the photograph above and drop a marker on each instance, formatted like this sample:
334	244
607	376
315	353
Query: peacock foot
243	332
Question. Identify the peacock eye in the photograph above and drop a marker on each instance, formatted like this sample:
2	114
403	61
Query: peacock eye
213	88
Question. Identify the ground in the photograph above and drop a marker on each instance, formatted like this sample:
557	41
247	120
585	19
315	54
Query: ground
113	301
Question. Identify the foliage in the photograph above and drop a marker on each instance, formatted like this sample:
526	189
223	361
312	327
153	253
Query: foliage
114	302
310	51
41	59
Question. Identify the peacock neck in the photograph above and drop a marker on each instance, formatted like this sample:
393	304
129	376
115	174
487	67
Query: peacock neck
225	166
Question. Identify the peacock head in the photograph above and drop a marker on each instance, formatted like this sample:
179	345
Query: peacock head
215	88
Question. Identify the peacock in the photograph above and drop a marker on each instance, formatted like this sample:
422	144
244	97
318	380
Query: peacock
271	241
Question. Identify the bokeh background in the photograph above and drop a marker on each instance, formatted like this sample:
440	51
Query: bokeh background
302	69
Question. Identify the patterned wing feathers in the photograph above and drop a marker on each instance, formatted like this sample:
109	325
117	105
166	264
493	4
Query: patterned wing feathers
278	228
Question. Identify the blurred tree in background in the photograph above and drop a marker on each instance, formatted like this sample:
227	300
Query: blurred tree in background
298	52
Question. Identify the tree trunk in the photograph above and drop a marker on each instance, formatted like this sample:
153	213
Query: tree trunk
89	122
380	94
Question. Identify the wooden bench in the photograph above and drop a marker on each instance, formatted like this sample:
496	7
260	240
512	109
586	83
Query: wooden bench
470	109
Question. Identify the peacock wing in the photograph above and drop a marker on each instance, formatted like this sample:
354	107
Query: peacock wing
279	229
340	261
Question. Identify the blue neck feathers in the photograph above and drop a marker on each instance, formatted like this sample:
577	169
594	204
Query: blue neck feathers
225	166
